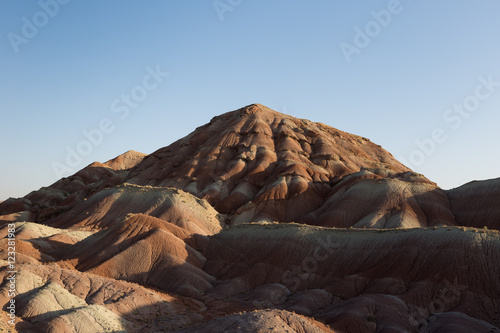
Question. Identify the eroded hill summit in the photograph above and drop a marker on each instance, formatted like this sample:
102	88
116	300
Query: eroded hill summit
256	164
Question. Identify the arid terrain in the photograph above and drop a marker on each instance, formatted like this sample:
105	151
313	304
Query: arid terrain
254	222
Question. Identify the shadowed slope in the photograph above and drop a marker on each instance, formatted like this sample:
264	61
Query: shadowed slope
63	300
260	322
477	204
347	276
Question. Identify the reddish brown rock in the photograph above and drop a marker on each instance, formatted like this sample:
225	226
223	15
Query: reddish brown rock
362	281
163	242
282	166
144	250
477	204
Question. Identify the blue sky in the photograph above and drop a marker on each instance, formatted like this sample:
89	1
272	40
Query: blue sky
410	70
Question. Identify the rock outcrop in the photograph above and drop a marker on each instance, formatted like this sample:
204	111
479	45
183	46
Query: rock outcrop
254	222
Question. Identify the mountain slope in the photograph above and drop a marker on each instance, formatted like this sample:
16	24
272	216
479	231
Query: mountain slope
256	164
197	236
256	154
477	204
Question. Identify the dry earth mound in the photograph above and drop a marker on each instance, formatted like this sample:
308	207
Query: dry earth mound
477	204
66	193
256	164
145	250
57	300
110	206
283	165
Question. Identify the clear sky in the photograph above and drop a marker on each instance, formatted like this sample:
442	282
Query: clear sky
396	72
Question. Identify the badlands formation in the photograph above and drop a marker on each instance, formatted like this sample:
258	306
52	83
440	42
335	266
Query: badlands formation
254	222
